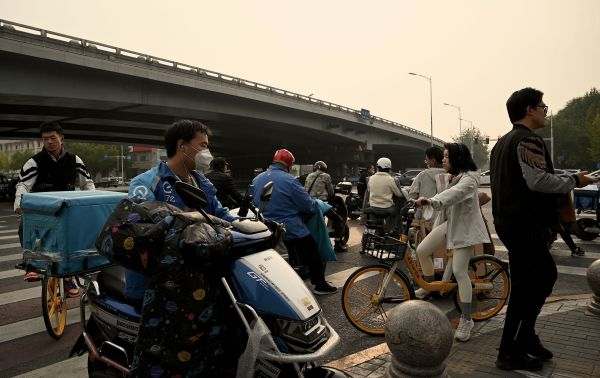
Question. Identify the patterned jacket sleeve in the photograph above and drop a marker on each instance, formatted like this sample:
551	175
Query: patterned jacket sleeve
85	179
531	155
27	179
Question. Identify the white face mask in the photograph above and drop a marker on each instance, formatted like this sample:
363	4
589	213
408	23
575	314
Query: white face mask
203	159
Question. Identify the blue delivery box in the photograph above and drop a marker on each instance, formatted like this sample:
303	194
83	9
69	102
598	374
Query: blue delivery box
59	229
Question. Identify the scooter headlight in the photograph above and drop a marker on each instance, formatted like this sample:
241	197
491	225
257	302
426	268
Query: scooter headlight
307	334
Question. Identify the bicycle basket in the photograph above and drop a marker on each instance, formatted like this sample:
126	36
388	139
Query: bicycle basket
384	247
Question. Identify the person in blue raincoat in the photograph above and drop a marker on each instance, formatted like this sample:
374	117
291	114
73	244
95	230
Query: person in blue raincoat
186	143
193	343
291	205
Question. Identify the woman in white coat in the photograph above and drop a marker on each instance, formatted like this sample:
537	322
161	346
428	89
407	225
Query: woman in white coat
460	227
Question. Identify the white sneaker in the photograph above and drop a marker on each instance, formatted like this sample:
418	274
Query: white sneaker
463	332
421	293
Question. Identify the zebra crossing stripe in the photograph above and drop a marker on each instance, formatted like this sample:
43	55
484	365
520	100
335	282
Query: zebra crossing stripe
11	273
32	326
16	237
10	245
71	367
20	295
15	257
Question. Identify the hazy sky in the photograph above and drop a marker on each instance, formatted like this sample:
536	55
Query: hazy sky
358	53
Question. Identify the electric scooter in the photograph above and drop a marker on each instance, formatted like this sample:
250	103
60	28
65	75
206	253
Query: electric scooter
271	300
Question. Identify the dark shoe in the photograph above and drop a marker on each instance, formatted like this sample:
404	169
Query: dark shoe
537	350
519	362
338	247
325	288
578	252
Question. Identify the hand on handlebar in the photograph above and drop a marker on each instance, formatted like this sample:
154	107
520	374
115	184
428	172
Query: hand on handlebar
585	179
422	201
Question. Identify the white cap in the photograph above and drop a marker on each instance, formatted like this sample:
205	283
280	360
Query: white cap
384	163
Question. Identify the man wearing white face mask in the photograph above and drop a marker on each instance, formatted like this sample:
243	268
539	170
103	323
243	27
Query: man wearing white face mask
186	142
203	159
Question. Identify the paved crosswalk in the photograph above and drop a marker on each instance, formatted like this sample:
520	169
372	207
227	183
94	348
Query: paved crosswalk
21	323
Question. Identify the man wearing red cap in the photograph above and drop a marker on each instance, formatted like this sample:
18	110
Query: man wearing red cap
289	204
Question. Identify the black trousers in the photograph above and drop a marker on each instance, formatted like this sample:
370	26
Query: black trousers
306	250
532	276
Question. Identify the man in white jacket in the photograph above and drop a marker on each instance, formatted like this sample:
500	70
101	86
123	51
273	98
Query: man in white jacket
382	188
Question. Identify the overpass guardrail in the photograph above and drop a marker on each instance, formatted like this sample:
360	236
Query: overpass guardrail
114	52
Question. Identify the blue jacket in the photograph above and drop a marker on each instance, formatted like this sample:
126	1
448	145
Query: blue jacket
158	183
289	204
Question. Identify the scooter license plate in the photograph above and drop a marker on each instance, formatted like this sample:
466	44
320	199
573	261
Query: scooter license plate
266	369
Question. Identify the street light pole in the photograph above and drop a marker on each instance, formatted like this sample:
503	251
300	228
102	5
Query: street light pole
551	139
472	135
459	118
430	102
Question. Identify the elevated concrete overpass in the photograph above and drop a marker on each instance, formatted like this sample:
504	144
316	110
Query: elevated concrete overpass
102	93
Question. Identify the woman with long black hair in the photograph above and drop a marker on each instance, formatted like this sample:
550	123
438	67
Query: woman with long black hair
459	227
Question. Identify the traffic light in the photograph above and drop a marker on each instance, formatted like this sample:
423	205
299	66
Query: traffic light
487	139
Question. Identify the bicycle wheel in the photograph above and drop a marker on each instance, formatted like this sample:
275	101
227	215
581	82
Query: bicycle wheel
491	287
362	305
54	307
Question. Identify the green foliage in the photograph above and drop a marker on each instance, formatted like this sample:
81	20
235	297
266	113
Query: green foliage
4	161
577	133
475	140
18	159
93	157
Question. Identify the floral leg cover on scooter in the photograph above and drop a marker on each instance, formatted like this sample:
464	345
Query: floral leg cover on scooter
188	326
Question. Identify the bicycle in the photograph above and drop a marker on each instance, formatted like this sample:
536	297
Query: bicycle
54	300
369	294
54	294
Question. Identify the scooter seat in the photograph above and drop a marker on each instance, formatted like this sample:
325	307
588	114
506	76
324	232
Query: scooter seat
248	226
112	282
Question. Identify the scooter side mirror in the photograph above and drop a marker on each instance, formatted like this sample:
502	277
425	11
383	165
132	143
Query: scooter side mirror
246	201
190	195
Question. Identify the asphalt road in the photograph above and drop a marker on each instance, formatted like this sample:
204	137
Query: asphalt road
25	347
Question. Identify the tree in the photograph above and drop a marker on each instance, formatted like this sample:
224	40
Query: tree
93	157
4	161
474	139
18	159
593	130
574	132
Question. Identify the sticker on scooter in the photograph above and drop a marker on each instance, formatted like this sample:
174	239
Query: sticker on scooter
258	279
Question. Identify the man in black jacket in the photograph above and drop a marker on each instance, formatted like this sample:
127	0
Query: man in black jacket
525	209
50	170
220	176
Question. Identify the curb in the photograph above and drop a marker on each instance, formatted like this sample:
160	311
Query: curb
377	350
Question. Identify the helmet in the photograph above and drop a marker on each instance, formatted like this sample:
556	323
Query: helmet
284	157
320	165
384	163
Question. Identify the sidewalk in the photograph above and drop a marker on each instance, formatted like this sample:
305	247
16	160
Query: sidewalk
563	326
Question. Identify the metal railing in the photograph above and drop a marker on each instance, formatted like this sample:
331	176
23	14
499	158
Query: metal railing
176	67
